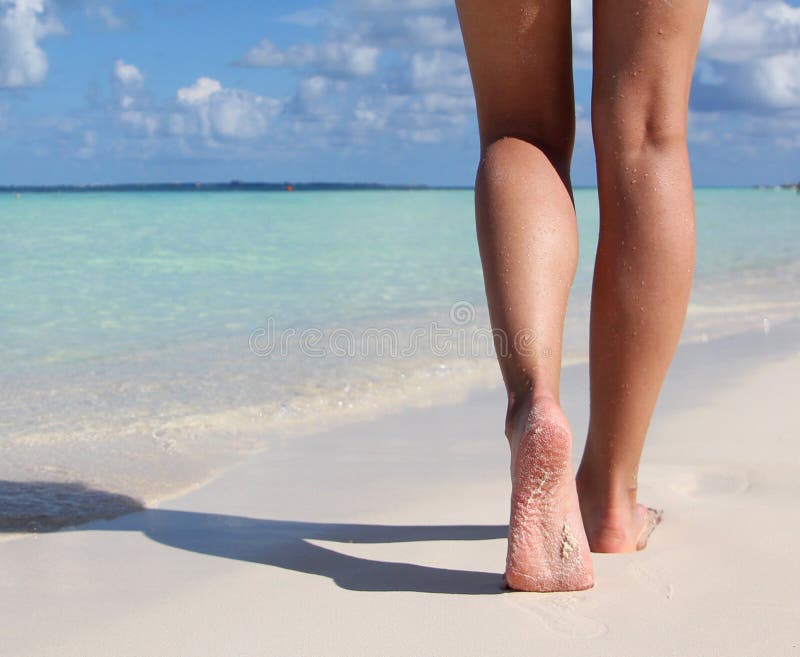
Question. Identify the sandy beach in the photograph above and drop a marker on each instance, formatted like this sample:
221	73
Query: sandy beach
272	274
388	537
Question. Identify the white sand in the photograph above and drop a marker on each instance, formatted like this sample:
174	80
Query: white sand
387	538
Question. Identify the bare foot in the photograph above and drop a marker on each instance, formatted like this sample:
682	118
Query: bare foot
547	546
618	530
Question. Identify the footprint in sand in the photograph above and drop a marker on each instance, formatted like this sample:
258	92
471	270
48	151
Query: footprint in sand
712	481
557	612
653	578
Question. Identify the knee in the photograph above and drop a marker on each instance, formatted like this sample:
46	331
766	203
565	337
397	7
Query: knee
638	128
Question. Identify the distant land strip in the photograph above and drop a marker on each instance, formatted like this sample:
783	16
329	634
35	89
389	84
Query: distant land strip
232	186
239	186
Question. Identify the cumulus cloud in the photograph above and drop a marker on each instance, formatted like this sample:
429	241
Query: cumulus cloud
747	63
199	92
267	55
216	112
740	30
769	83
370	70
132	100
140	121
105	15
582	33
749	57
127	75
375	69
313	94
202	114
433	30
405	30
347	59
747	60
440	69
23	24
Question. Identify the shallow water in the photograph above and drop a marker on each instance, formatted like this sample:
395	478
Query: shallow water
149	339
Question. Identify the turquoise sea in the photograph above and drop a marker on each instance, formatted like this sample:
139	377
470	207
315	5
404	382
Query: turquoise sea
149	339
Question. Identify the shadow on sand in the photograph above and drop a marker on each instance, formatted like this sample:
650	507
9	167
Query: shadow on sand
281	543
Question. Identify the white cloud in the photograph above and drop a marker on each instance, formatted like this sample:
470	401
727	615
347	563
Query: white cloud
443	103
106	15
439	69
433	30
434	117
266	54
216	112
582	33
734	30
199	92
313	88
132	108
140	121
313	95
201	115
239	115
23	24
768	84
742	30
127	75
774	81
347	59
382	69
749	57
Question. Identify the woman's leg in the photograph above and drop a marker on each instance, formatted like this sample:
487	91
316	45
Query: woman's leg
644	55
520	58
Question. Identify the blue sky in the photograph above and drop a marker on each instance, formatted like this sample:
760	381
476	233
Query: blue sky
338	90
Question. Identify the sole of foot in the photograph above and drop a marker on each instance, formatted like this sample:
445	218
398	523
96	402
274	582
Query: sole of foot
547	546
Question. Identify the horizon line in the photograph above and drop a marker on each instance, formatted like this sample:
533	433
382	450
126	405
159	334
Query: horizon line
238	185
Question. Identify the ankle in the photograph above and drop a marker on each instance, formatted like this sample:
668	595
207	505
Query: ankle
612	518
523	402
603	495
617	530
